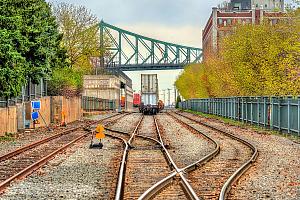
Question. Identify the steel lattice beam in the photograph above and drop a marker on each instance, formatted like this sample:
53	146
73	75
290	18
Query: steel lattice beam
131	52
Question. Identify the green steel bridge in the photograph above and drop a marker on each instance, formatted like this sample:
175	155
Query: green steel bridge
129	51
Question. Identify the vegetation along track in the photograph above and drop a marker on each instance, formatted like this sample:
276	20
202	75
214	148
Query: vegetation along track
214	179
23	161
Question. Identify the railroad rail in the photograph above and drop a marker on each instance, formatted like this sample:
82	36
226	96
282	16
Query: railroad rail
174	174
237	173
189	191
23	161
127	145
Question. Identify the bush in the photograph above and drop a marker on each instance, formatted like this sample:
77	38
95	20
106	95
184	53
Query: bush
65	81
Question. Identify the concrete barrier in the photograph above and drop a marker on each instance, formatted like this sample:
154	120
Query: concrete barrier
8	120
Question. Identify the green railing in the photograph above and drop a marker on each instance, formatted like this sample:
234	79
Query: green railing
90	104
276	113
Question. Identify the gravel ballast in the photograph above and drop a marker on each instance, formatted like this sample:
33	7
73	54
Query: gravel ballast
86	174
276	172
127	123
185	147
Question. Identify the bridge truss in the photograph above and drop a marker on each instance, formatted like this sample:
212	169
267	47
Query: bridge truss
129	51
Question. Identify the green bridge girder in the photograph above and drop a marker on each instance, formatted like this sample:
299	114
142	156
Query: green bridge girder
129	51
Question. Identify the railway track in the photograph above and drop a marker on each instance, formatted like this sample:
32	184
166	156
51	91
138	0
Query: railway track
23	161
145	158
175	185
213	179
147	170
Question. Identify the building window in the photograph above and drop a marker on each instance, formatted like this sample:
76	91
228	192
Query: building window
274	21
220	21
237	6
229	21
256	5
266	5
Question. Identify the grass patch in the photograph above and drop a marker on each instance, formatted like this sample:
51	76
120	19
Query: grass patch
8	137
253	127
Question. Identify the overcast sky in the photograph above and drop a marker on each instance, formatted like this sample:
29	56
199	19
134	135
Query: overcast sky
176	21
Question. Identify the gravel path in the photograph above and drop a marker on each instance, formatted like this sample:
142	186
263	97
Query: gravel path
185	147
86	174
275	175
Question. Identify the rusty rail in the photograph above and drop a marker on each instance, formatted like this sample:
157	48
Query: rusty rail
166	181
28	170
239	172
42	141
121	176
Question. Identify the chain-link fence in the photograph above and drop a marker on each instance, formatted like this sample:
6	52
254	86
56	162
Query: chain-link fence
29	92
90	104
277	113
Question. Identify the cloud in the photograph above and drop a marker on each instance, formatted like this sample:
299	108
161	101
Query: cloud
167	12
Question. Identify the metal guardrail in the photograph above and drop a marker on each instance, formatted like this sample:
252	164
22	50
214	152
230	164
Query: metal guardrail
91	104
276	113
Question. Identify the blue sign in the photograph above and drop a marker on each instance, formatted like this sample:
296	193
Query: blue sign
34	115
36	105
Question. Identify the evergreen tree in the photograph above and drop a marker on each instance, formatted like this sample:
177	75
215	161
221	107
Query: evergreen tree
29	44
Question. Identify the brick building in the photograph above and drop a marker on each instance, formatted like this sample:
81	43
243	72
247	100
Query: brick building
222	19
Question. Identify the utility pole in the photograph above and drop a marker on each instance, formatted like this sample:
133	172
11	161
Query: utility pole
164	95
169	96
175	95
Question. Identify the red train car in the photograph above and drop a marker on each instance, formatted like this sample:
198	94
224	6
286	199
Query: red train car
136	100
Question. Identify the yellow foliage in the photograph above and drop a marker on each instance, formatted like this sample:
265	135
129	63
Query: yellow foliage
192	82
256	60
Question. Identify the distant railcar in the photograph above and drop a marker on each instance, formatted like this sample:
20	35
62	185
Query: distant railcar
149	94
136	100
